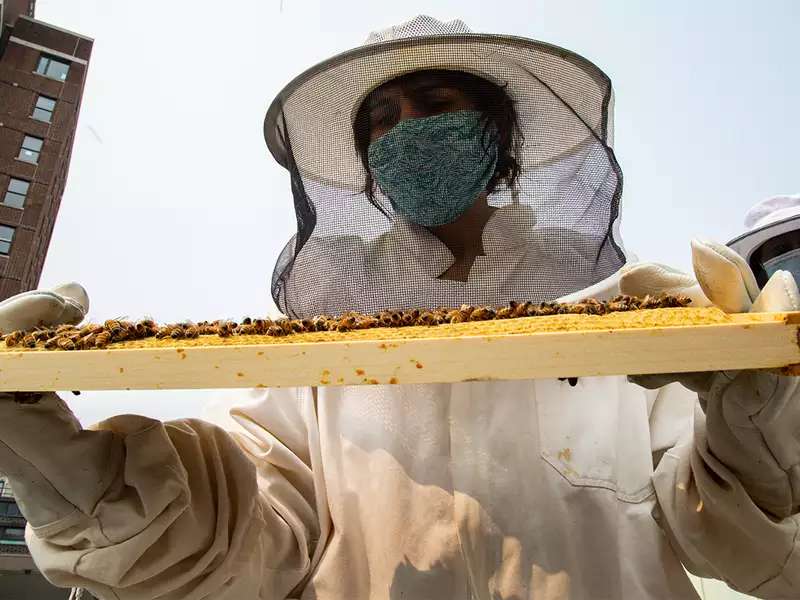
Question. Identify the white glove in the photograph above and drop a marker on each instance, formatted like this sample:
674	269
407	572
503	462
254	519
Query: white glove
723	279
761	406
65	304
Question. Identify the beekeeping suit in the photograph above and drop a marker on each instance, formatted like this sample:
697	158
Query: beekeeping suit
598	488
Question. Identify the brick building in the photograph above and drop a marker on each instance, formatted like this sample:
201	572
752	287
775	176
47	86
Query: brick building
42	76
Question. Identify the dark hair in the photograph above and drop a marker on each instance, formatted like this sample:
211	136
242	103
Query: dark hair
490	99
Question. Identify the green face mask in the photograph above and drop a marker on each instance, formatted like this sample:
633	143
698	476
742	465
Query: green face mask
432	169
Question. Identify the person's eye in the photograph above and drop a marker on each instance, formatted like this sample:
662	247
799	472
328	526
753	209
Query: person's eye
436	103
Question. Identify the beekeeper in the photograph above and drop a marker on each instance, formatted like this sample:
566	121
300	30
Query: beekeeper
435	166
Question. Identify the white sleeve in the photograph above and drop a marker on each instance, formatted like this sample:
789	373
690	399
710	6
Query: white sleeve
142	509
729	490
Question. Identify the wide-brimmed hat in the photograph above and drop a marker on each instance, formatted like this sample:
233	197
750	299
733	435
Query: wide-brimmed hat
547	84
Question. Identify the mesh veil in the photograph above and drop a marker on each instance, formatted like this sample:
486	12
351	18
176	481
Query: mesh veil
553	233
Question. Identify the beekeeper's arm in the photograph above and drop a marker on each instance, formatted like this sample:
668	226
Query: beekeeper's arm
142	509
729	490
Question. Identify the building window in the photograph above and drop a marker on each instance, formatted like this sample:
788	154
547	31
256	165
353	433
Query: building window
52	68
43	111
14	532
31	147
6	237
9	509
16	193
12	535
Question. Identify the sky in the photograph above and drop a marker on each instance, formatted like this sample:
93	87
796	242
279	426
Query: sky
174	209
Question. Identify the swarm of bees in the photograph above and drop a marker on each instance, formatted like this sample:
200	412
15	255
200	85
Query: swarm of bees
72	337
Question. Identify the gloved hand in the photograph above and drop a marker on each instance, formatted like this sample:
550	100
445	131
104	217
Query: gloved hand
751	417
40	438
65	304
728	489
722	278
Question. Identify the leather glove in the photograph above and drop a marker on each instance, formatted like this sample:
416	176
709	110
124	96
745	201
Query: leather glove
35	429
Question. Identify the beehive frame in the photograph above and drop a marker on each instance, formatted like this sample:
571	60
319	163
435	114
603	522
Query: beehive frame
649	341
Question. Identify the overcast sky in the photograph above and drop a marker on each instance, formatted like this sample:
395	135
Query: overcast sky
174	209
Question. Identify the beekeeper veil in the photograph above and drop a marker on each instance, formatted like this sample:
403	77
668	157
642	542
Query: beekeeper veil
366	242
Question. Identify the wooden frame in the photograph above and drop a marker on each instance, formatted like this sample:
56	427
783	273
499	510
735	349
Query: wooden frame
684	340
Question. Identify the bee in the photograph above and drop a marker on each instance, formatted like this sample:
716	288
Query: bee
246	329
144	328
504	312
426	318
28	341
542	309
86	341
297	326
466	310
285	325
482	313
455	316
385	317
128	331
207	328
163	332
113	326
191	331
574	309
346	323
276	330
261	325
320	323
621	303
409	317
594	307
563	309
64	328
367	322
679	301
519	310
247	321
52	342
41	335
91	328
14	338
103	339
65	343
226	328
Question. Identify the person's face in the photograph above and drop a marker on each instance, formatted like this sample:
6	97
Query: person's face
421	96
